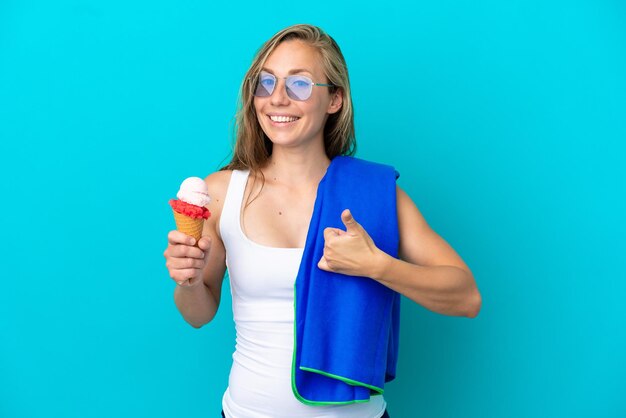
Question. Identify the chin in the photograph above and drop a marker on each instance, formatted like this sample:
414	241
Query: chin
284	142
281	138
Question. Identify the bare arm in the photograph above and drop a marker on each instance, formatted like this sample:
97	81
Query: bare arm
429	271
205	266
198	301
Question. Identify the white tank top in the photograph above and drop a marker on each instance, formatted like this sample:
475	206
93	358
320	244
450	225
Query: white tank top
262	282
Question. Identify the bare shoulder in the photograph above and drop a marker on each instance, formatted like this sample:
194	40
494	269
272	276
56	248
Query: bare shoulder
408	211
217	183
419	243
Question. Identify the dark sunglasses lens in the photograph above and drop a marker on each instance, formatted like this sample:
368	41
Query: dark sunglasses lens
299	87
265	85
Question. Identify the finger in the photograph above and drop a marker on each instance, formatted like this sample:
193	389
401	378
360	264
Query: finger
331	232
179	275
348	220
205	244
177	237
207	251
182	251
185	263
323	265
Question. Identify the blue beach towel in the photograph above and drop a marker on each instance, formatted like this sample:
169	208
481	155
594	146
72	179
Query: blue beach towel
346	327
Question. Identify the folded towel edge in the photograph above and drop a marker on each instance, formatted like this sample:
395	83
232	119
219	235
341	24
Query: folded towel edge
351	382
305	401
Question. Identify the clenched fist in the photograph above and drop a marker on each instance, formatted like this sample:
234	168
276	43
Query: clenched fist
184	260
350	252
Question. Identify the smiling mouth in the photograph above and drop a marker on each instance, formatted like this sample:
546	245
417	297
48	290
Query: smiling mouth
283	119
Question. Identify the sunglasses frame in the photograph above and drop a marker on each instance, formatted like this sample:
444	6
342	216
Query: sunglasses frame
311	84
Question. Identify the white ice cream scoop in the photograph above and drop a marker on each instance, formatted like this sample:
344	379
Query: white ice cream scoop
193	190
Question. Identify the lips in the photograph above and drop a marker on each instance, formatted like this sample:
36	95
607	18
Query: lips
281	121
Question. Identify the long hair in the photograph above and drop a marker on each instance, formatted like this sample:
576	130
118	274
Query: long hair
252	147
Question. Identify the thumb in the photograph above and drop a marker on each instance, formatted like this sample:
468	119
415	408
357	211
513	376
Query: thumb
204	244
348	220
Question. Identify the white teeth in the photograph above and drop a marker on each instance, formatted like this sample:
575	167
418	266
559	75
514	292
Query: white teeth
283	118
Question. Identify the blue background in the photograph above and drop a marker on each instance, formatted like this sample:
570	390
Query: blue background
506	120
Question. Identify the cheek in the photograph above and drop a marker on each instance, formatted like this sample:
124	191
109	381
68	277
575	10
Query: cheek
319	111
256	106
321	105
259	113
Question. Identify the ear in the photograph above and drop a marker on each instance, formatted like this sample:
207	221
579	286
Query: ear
336	102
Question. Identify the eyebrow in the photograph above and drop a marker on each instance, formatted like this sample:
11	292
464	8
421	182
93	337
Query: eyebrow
293	71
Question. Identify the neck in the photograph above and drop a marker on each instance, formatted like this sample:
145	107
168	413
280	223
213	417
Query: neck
297	166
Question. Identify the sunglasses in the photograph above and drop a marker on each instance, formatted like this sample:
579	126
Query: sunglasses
298	87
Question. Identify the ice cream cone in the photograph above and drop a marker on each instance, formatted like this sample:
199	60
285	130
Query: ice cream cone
188	225
190	209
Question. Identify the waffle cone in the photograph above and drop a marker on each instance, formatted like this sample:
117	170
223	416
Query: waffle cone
188	225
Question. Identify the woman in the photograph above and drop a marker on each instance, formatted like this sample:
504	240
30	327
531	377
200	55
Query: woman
295	117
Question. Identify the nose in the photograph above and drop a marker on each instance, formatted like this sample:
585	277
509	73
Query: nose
279	95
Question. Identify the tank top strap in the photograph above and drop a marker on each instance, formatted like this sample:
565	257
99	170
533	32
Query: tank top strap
231	212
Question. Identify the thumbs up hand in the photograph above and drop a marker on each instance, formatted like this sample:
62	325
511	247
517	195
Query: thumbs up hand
350	252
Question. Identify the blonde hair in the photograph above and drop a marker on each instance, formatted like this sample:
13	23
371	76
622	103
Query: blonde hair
252	147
